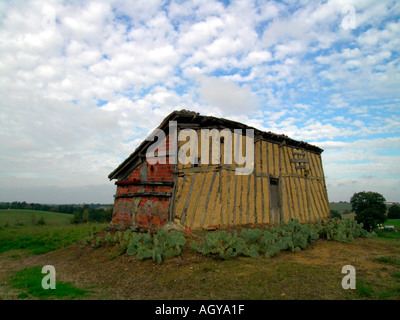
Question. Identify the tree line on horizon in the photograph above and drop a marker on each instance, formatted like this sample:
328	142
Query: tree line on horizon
81	213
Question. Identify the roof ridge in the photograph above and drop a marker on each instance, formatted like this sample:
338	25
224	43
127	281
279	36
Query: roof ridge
184	113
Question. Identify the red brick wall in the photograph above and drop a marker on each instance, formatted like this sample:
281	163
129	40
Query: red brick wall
150	211
123	212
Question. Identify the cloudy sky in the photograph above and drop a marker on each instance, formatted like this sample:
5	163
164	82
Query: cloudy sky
82	83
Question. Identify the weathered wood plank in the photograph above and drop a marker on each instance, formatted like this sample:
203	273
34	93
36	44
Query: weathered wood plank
262	187
308	199
313	200
183	217
208	199
197	200
324	185
292	199
220	197
229	197
297	195
215	203
288	168
255	195
234	200
265	183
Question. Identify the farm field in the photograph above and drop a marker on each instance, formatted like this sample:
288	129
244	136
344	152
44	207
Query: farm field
84	272
31	217
393	222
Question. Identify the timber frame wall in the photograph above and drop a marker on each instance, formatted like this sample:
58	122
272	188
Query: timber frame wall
287	183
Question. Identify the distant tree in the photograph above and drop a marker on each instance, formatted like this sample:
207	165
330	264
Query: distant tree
4	205
77	217
107	214
370	208
15	205
335	214
95	215
85	215
394	212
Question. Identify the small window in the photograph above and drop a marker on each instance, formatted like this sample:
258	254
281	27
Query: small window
273	182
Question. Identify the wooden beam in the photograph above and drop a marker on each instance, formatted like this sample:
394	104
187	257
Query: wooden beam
151	183
158	154
143	194
171	208
208	199
187	125
308	199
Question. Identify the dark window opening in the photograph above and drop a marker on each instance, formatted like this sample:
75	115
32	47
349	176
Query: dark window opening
273	182
275	201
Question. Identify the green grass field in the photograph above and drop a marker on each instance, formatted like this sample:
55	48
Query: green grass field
393	222
88	272
32	217
19	229
391	235
29	280
42	239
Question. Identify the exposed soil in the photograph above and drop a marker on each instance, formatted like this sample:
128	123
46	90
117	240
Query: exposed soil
314	273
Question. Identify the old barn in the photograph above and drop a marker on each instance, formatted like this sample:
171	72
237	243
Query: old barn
187	172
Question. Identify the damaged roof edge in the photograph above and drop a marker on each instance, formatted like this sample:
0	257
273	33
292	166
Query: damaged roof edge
190	116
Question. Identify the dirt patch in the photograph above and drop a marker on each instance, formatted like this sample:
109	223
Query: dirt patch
314	273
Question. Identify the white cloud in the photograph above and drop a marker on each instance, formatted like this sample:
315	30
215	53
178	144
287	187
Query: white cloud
227	96
82	83
356	166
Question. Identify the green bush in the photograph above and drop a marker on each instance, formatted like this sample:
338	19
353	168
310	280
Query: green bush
394	212
335	214
41	221
343	231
